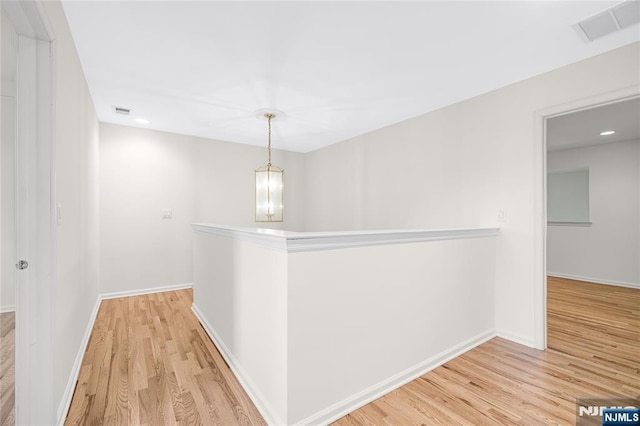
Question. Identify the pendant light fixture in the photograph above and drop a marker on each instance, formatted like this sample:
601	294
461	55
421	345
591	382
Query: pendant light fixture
269	186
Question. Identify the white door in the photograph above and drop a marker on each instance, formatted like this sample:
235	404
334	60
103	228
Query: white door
35	223
7	221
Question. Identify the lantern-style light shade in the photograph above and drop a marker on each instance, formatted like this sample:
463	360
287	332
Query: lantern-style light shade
269	194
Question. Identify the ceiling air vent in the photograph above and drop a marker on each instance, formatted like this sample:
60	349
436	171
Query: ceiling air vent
609	21
627	13
120	110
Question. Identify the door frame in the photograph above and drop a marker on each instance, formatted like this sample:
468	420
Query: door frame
36	226
540	194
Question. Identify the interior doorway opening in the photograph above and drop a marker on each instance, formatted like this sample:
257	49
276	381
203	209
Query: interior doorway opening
591	175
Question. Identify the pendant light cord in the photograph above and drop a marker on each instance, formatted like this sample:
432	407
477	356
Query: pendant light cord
269	117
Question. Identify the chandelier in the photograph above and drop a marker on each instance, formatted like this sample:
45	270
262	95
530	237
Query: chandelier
269	187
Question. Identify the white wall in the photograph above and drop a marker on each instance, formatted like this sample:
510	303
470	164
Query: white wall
458	166
145	171
7	168
609	249
363	320
77	192
141	173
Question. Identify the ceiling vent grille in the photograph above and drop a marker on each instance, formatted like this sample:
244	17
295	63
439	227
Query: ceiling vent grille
609	21
121	110
627	13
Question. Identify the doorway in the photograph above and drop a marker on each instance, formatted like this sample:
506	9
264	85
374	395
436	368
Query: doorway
540	196
592	218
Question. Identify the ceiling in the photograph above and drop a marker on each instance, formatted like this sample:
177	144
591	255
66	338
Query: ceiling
337	69
583	128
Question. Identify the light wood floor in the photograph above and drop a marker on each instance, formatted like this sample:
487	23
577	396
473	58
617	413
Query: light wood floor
150	362
593	350
7	368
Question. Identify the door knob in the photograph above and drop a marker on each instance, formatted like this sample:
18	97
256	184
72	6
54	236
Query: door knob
22	264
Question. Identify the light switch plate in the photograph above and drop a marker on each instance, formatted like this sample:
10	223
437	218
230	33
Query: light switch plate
167	213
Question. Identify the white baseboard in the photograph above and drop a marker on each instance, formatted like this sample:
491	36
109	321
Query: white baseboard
65	403
128	293
7	308
352	403
594	280
517	338
268	413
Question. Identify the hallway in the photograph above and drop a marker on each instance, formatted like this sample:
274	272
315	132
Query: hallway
150	362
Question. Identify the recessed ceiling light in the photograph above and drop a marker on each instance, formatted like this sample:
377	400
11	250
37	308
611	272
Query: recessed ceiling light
607	132
141	121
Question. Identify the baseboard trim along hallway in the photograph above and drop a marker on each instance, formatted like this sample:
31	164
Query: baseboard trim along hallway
65	403
127	293
63	408
516	338
594	280
7	308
